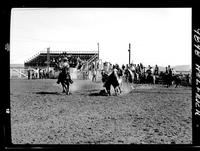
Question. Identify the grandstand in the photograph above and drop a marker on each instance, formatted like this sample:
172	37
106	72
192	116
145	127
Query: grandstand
79	62
41	59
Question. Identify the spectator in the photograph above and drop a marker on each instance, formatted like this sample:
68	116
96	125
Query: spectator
29	73
43	74
123	67
36	73
33	74
166	70
149	70
94	75
132	68
156	70
174	71
188	79
39	73
138	69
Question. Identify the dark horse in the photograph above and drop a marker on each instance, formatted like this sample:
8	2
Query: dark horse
65	79
112	80
166	79
177	80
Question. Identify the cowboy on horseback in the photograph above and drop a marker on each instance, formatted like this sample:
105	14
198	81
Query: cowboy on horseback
64	77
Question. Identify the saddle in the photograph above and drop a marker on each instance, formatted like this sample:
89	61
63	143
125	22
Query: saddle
64	77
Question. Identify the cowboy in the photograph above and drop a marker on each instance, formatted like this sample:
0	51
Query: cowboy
149	70
156	70
166	70
64	63
94	72
64	66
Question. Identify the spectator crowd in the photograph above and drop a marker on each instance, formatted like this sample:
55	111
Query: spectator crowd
136	73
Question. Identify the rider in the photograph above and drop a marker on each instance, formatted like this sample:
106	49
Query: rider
94	72
64	66
155	74
149	74
156	70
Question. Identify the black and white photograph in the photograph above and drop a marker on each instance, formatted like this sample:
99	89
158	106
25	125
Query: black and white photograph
101	75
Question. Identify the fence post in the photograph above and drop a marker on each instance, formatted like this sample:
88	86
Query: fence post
20	73
11	72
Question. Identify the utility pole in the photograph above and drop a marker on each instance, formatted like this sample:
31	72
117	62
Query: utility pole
98	50
48	58
129	50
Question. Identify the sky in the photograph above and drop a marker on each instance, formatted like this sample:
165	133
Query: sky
159	36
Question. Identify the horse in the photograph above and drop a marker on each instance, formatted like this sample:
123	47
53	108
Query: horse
65	79
104	76
129	76
167	79
113	80
155	79
120	79
149	77
176	80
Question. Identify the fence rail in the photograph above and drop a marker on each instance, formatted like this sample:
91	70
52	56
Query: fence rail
18	73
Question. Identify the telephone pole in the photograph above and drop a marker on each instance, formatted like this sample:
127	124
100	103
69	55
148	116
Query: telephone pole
129	50
98	50
48	58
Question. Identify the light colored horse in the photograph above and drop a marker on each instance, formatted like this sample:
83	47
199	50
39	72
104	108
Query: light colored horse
115	81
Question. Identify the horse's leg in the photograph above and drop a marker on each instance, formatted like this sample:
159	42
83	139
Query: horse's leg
176	85
64	87
116	90
120	90
108	90
67	89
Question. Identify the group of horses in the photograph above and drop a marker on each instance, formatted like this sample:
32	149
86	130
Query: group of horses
165	78
169	79
115	79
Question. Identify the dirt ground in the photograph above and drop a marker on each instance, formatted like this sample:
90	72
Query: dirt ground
147	114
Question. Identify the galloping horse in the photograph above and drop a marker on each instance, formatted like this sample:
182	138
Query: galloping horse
65	79
114	80
64	76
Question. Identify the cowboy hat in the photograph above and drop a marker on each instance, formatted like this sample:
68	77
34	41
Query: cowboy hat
65	58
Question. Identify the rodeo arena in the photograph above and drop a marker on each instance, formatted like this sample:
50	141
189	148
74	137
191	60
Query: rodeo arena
73	97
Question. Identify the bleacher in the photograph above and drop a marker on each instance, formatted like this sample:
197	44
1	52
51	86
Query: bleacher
40	59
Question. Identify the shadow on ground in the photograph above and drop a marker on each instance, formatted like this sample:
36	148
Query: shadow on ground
97	94
43	92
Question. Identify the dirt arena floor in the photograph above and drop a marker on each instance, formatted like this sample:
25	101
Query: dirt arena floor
147	114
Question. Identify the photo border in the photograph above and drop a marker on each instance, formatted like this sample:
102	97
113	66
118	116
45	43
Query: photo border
5	128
